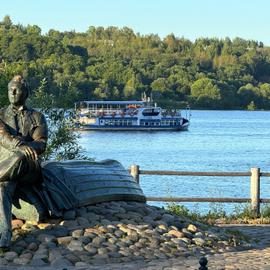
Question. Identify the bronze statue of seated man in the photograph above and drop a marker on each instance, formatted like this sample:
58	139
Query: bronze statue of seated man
23	137
52	187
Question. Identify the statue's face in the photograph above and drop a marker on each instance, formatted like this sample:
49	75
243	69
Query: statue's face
16	94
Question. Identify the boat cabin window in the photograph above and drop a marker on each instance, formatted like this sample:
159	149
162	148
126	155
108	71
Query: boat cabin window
97	108
150	112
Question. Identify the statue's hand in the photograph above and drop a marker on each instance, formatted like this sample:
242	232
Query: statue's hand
17	141
29	152
3	128
6	139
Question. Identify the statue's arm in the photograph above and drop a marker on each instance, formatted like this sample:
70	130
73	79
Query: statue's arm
40	136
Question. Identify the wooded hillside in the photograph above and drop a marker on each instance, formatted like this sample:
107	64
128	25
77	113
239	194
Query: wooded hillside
118	64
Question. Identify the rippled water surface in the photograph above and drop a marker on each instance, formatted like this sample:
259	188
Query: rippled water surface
216	141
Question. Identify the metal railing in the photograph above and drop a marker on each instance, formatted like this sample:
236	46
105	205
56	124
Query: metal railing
254	175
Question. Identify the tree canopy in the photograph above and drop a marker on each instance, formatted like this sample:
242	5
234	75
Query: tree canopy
117	64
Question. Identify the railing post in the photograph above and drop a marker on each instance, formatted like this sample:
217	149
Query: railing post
134	171
255	191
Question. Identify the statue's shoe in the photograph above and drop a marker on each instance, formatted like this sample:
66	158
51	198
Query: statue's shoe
43	215
5	240
43	212
3	250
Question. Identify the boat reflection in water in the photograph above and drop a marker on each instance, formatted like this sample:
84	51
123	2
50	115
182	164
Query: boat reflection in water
128	116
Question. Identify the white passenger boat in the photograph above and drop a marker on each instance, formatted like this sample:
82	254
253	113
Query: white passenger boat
128	116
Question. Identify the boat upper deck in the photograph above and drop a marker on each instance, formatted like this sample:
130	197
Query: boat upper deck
107	107
102	102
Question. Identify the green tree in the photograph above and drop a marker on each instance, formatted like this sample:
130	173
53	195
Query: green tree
63	141
264	90
206	93
251	106
116	63
6	22
41	98
247	94
160	87
4	79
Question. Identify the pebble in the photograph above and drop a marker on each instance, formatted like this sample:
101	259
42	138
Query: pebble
70	214
11	255
90	249
176	233
16	224
77	233
21	261
83	221
33	246
192	228
80	265
38	263
64	240
75	245
60	262
199	241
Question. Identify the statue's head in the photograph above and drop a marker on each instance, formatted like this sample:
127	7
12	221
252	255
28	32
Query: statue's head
18	90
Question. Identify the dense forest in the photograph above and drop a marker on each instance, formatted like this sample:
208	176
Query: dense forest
118	64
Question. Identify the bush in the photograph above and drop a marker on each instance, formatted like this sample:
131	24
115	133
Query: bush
63	140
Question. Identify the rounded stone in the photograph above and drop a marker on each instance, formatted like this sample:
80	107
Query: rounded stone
32	246
83	265
61	262
83	221
21	261
77	233
16	224
75	245
10	255
69	215
97	241
119	233
102	251
38	262
192	228
90	249
168	218
64	240
176	233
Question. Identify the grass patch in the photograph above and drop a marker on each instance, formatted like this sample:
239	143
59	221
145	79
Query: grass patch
242	214
238	235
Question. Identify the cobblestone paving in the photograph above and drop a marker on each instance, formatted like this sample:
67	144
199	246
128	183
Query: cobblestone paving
257	257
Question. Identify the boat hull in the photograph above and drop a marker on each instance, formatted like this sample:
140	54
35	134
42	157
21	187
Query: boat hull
133	128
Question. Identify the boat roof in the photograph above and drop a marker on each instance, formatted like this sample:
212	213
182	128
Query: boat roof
102	102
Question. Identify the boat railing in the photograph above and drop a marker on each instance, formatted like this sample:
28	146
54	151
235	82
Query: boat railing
97	112
106	112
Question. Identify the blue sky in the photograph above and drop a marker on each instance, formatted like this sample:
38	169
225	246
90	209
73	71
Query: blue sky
191	19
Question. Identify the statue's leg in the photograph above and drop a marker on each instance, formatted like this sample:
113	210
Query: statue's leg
12	165
6	193
29	189
33	195
8	183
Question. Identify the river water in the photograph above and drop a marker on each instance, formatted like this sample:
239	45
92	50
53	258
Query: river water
216	141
